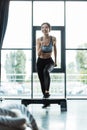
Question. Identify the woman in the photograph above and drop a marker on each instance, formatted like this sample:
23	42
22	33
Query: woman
45	46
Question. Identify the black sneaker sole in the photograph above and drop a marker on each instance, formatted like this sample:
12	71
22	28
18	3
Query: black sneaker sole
47	95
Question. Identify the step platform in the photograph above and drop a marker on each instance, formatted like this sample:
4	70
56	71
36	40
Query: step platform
61	102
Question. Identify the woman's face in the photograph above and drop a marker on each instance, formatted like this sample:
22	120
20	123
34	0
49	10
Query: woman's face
45	29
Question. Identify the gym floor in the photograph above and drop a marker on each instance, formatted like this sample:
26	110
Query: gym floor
51	118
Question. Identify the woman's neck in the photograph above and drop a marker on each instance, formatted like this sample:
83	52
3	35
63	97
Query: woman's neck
46	36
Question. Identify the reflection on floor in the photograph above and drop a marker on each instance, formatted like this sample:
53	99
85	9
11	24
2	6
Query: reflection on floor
53	119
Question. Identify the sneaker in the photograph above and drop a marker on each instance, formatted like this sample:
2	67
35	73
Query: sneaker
46	95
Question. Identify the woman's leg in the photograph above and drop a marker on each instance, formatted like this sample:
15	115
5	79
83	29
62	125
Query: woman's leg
40	69
48	68
41	78
46	78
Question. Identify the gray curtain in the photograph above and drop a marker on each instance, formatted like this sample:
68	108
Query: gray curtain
4	9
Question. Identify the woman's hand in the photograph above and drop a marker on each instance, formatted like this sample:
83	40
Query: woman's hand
55	64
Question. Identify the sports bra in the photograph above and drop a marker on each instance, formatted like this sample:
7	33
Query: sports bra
47	48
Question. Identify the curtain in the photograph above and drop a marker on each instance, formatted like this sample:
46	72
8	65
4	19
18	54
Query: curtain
4	9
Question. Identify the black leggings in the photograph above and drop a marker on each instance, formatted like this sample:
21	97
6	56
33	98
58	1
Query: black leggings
43	67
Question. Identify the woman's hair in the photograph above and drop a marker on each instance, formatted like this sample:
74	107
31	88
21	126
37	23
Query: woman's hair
47	25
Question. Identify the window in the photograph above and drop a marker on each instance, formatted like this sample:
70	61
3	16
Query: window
76	49
52	12
18	33
18	73
76	24
16	51
48	11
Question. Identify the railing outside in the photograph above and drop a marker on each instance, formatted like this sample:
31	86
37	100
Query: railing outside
76	85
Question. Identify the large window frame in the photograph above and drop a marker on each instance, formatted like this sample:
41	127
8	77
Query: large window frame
63	49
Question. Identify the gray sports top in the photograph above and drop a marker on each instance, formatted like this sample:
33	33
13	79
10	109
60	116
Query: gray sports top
47	48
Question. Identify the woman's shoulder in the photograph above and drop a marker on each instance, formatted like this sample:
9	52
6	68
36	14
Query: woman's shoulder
39	38
53	38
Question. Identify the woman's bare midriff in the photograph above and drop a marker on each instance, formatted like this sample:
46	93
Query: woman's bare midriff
45	55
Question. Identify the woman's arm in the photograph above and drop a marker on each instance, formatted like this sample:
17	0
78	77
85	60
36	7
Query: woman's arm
38	47
55	51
